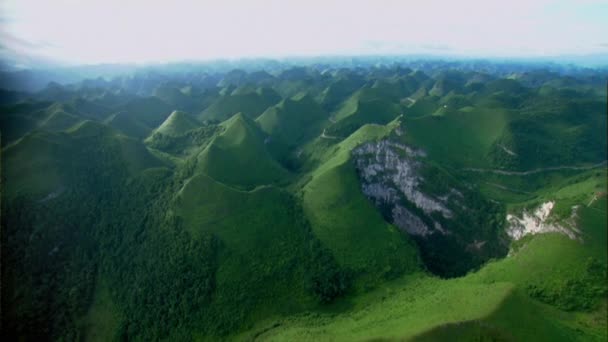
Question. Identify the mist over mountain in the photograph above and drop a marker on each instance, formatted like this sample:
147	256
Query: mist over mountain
35	79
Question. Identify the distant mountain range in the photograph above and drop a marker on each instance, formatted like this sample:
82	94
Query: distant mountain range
34	79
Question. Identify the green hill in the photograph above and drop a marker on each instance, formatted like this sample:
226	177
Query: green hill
40	162
174	97
177	123
339	90
268	257
375	198
340	214
423	106
293	120
251	104
88	109
19	119
133	154
149	111
59	121
32	164
112	99
365	94
128	124
372	111
139	117
238	156
233	77
442	87
390	89
486	305
244	89
440	136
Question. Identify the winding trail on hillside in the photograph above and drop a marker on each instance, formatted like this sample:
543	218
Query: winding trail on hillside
325	136
508	188
539	170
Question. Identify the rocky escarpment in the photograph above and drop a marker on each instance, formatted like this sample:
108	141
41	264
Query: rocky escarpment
539	221
455	227
390	177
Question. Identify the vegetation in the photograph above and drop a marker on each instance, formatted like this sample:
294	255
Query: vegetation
185	203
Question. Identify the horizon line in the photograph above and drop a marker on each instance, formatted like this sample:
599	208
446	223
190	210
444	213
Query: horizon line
560	59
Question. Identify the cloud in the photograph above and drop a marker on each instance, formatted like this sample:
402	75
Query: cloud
10	40
139	31
16	52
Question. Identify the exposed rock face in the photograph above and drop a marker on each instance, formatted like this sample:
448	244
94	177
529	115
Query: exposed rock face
537	222
389	173
455	227
409	222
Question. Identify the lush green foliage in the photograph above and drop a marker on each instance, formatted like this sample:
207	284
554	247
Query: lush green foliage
124	218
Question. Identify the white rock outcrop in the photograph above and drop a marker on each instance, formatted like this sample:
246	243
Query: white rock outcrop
538	222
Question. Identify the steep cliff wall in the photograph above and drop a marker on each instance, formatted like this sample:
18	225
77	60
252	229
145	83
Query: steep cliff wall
455	227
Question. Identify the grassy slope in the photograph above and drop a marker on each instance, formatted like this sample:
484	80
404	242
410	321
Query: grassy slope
128	125
27	157
499	286
441	136
338	90
489	304
534	322
174	97
22	118
264	258
238	156
136	156
177	123
421	107
340	214
372	111
264	250
103	318
39	163
150	111
56	172
566	186
400	309
59	121
293	119
250	104
551	260
134	153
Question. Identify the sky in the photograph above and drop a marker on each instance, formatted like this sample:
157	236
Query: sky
35	32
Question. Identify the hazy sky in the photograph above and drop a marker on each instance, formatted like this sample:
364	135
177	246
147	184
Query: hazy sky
99	31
